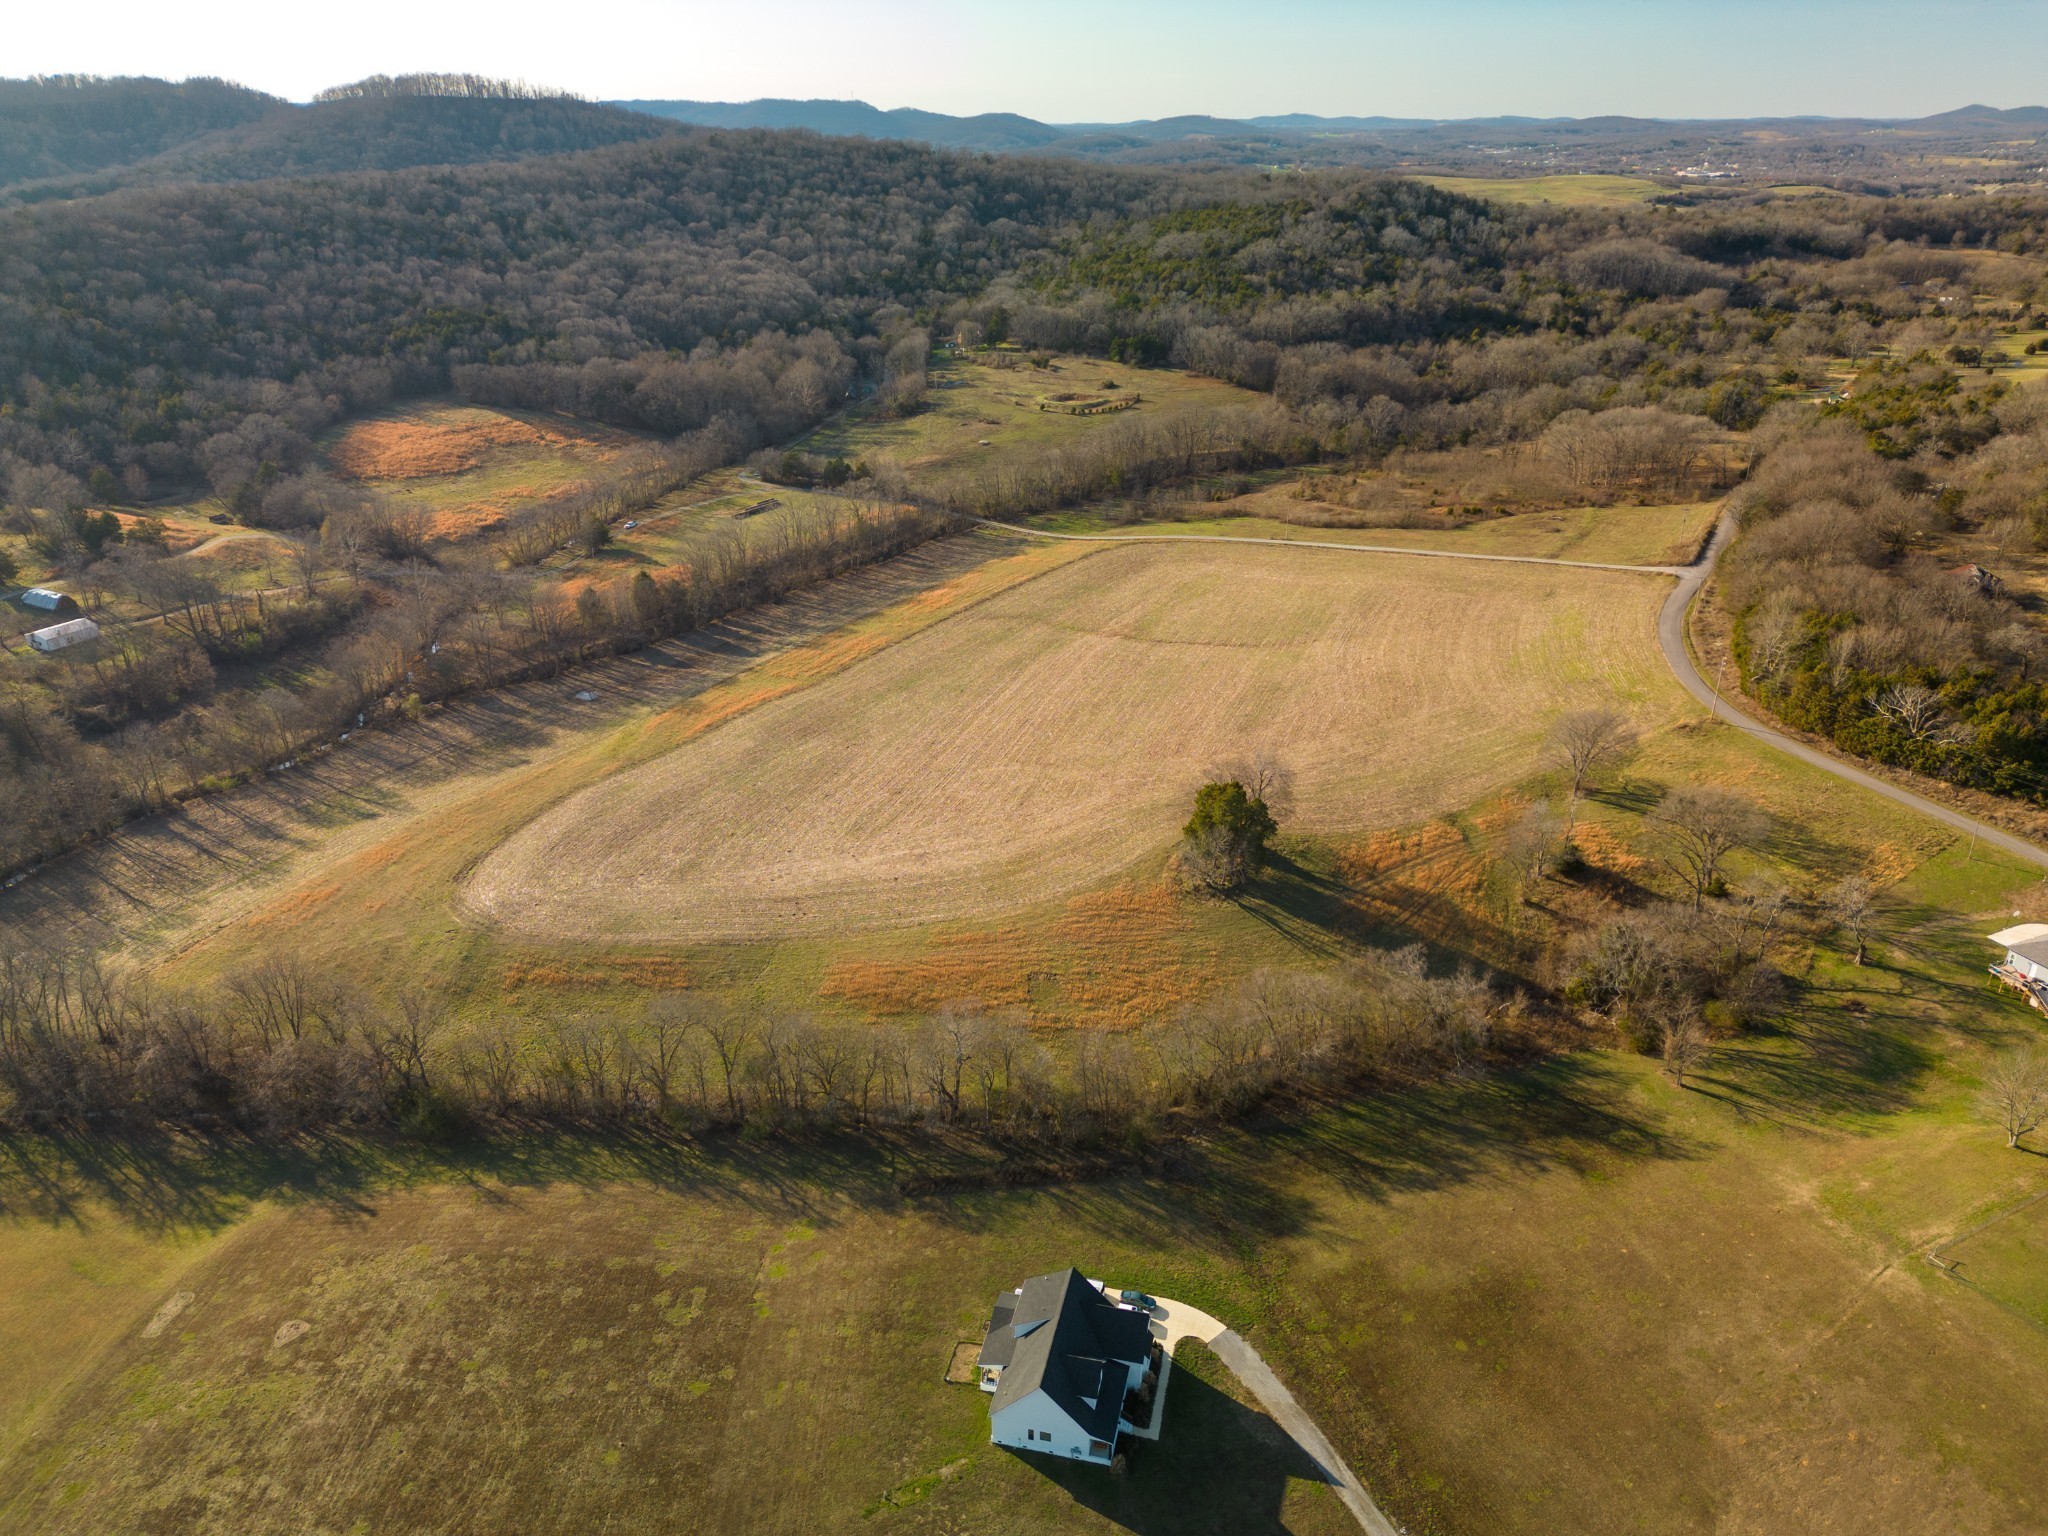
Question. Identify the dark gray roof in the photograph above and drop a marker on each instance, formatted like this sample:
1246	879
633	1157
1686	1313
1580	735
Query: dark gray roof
2035	950
1063	1335
999	1344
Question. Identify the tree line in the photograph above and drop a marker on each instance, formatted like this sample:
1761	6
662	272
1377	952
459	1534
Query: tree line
278	1049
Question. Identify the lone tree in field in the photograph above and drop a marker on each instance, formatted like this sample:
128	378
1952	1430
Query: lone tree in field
1686	1045
2016	1093
1583	743
1224	842
1698	827
1853	907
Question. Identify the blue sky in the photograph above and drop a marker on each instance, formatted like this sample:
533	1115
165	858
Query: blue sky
1105	60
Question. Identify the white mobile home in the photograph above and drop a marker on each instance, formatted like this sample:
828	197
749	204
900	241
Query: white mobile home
2025	967
1063	1360
58	636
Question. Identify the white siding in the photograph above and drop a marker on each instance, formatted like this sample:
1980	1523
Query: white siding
1013	1426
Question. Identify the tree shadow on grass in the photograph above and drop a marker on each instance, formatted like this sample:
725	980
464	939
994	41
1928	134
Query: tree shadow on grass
1575	1112
181	1183
1219	1465
1308	907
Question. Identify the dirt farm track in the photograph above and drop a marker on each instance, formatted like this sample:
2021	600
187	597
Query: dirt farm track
1048	738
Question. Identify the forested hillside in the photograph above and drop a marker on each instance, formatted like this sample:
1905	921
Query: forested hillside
725	292
180	335
376	124
61	125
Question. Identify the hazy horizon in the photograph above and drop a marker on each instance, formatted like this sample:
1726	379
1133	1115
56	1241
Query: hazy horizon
1066	62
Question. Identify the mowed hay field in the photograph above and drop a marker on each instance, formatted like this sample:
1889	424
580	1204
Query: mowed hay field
1050	738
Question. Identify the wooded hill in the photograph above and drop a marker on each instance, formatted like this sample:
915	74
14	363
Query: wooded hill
78	137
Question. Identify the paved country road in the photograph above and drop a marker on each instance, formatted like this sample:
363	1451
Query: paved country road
1670	636
1176	1320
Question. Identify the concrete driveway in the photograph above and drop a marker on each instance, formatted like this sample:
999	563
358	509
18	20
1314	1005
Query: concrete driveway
1173	1321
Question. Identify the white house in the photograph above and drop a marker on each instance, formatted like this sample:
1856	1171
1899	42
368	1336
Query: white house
2026	949
2025	966
1061	1359
70	632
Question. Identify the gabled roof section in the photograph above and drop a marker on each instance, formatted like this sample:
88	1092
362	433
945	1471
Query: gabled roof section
1063	1336
2022	933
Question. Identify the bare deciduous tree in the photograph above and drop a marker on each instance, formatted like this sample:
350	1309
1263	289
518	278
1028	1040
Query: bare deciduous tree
2015	1097
1852	906
1914	708
1535	841
1583	743
1687	1045
1697	827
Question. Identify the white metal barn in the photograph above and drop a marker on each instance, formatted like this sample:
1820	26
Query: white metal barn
48	599
58	636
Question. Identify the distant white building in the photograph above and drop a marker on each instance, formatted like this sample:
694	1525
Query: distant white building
48	599
1062	1360
58	636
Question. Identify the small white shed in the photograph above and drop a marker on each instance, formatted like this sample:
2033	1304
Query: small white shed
49	599
58	636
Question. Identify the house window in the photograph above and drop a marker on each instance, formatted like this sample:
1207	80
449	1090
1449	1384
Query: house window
1098	1447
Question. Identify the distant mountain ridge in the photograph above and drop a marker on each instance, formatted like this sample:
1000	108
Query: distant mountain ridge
1009	130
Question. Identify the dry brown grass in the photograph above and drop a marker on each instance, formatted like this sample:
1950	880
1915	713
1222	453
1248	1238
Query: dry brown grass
448	441
1112	959
648	973
1047	740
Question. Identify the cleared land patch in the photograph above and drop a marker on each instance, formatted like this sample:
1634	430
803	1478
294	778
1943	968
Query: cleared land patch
1047	739
977	412
1591	190
468	465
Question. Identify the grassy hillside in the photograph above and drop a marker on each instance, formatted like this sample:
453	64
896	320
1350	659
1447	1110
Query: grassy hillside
1570	1297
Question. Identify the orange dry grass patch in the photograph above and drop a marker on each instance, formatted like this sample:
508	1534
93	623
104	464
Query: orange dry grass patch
441	443
639	972
294	908
467	522
1114	959
1889	864
1126	956
1601	848
988	968
816	661
1427	881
